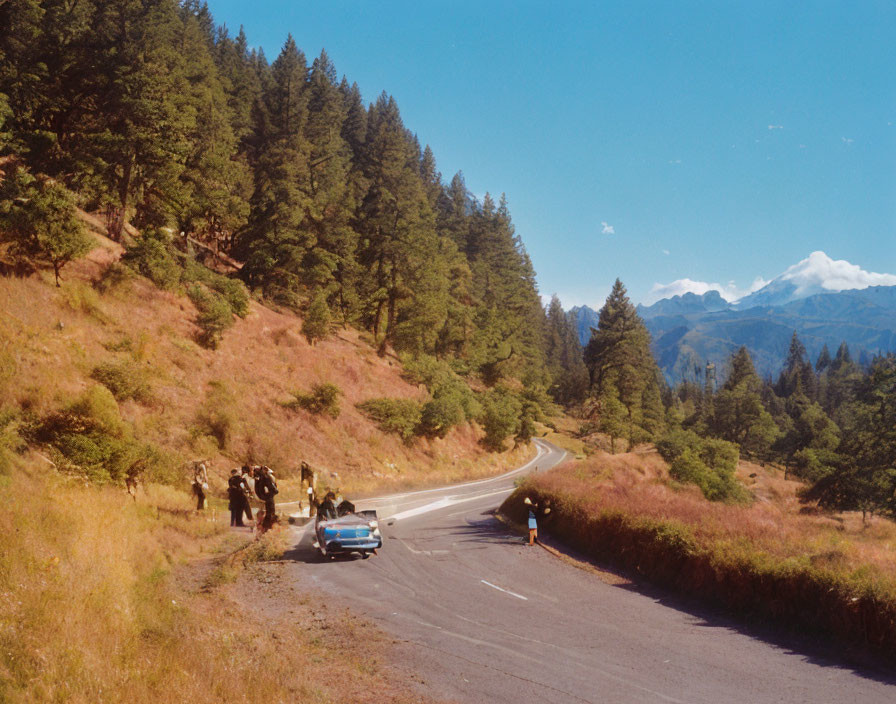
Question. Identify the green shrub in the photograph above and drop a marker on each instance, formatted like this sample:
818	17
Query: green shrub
394	415
231	290
234	292
441	380
152	256
324	398
316	321
216	418
709	463
90	437
115	275
126	380
500	418
215	315
439	415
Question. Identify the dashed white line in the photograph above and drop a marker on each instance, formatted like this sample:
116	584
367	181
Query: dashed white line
506	591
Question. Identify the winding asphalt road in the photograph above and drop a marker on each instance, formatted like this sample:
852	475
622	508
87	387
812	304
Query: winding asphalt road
482	617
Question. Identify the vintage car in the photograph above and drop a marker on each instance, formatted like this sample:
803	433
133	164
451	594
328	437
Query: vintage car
340	530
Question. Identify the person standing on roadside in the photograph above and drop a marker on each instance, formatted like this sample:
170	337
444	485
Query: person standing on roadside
534	510
266	490
246	487
236	498
200	484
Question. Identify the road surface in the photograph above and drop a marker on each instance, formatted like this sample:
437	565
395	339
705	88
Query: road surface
485	618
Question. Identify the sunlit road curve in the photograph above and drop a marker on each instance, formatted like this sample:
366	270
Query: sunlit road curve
485	618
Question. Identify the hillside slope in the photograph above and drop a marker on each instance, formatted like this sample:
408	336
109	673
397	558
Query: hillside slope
223	404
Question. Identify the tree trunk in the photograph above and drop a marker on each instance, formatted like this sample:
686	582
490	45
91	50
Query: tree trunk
124	188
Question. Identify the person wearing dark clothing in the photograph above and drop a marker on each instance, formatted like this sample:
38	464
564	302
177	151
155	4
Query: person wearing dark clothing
266	490
236	498
246	489
326	511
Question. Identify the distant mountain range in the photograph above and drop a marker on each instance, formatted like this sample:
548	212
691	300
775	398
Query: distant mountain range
690	330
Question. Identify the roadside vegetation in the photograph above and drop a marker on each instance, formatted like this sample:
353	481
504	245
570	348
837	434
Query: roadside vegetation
104	599
768	560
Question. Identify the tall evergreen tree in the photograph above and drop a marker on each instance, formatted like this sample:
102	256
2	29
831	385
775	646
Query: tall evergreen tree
824	360
619	360
406	288
798	373
563	353
145	116
331	262
739	415
274	242
214	201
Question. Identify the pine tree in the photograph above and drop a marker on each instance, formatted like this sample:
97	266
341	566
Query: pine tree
619	361
275	242
739	415
214	202
432	179
824	360
39	223
563	354
144	114
509	318
797	373
331	262
316	325
843	381
405	294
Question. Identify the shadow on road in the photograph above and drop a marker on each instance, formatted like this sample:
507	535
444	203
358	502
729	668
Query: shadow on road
816	650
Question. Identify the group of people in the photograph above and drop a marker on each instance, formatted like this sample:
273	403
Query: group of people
241	485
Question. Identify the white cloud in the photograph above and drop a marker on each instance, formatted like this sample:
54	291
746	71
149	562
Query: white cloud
666	252
607	229
776	127
730	291
819	271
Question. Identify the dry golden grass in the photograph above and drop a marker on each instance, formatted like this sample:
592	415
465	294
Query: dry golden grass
639	483
226	404
100	602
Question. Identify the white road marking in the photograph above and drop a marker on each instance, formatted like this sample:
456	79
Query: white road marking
441	503
541	451
506	591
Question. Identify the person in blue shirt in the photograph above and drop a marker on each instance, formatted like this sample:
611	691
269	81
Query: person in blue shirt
534	510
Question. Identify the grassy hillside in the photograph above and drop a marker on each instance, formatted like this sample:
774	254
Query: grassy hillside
106	599
106	324
111	599
773	559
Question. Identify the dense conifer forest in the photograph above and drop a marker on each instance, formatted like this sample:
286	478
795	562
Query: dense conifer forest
148	113
188	141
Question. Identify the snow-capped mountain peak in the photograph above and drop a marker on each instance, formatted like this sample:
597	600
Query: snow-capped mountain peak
818	273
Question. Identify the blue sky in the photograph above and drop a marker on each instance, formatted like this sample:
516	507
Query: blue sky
655	142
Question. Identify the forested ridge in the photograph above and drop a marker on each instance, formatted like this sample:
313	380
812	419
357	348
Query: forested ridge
147	112
831	422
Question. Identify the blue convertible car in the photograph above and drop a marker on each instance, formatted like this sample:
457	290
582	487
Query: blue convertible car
340	531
